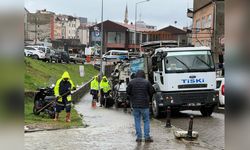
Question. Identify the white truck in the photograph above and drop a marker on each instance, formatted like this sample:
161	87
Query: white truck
184	78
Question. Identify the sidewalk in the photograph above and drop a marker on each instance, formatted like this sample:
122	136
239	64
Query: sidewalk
109	129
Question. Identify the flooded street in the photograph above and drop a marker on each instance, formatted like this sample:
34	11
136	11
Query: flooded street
108	129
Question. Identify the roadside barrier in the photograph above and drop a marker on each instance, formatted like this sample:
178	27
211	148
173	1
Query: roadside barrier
168	120
190	128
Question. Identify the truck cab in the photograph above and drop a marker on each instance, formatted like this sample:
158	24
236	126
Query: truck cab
184	79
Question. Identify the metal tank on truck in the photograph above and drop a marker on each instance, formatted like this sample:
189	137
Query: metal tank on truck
120	78
184	78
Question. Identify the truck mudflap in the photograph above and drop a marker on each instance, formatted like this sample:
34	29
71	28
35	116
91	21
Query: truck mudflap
185	100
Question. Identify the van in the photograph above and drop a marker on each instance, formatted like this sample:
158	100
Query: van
115	54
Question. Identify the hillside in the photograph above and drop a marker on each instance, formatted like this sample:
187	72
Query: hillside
42	74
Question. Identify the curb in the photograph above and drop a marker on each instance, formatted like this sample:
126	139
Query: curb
52	129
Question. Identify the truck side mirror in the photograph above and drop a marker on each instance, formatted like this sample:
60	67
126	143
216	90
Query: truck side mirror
154	64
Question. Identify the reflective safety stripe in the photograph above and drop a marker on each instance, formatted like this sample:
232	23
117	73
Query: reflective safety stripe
59	104
59	99
69	104
69	98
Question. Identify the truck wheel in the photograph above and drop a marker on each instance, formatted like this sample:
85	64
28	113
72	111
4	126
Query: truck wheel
207	111
155	108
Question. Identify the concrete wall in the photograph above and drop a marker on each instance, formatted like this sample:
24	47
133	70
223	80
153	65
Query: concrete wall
83	35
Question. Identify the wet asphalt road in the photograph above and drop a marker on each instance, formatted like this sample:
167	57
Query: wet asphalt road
211	129
108	129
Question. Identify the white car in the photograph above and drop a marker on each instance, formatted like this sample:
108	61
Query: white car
46	50
220	86
34	52
115	54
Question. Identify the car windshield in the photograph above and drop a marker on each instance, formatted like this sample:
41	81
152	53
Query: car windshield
189	61
30	48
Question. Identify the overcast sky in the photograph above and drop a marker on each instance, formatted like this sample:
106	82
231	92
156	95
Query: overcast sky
160	13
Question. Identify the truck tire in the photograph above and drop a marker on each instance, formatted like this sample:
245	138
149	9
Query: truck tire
155	108
207	111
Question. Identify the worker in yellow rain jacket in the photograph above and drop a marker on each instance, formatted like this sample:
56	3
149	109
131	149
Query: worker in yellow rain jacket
62	91
105	88
94	88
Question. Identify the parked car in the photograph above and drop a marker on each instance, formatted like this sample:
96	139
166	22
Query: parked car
77	58
62	56
115	54
220	86
46	50
54	57
34	52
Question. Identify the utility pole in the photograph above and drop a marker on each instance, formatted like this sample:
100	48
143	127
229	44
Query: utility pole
136	20
101	67
35	29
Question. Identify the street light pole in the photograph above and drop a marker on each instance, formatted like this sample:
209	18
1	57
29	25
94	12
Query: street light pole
136	19
101	67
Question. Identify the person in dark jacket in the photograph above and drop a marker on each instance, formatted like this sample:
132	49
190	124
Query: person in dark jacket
140	90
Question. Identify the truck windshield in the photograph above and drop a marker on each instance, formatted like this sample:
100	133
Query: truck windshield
189	61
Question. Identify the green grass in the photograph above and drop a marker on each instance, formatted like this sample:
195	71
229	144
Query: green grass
44	122
40	74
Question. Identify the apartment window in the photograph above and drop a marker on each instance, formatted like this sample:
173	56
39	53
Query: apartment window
203	22
116	37
131	38
144	37
198	25
209	21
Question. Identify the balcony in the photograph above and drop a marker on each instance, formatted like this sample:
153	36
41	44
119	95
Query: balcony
190	13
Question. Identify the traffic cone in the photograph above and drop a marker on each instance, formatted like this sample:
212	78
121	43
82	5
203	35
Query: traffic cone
93	104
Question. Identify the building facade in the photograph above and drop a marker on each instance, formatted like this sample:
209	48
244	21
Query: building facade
69	26
118	36
39	26
169	33
208	24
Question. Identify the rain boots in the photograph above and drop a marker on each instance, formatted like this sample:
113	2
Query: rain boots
68	117
56	116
